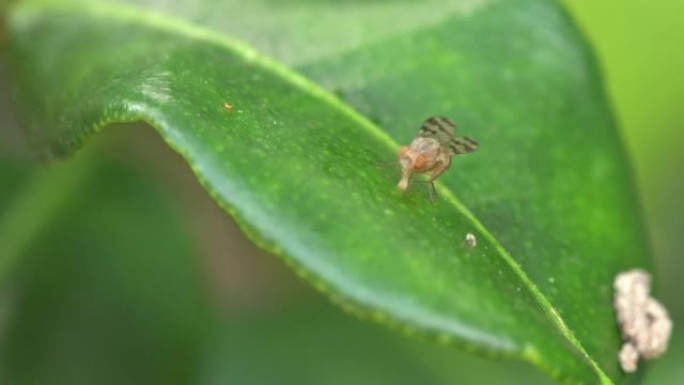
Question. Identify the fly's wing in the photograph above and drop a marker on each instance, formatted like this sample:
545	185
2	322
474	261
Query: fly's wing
442	129
439	128
462	145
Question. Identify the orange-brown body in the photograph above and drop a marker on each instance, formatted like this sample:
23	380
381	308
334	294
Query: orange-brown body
425	156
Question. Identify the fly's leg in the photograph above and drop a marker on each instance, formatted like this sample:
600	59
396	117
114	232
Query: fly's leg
433	174
431	190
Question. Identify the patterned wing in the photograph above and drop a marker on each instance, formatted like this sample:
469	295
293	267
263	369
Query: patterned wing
462	145
440	128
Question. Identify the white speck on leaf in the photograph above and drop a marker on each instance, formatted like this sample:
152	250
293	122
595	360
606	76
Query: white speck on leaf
470	241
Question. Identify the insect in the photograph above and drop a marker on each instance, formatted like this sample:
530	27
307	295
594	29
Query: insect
431	150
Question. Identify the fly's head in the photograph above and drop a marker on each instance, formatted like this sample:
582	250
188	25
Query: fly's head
409	160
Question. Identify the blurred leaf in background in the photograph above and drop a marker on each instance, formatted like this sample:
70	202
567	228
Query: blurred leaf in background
98	295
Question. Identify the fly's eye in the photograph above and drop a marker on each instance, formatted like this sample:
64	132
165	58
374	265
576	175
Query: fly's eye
403	151
420	162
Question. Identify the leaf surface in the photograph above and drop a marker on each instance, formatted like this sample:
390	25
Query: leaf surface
111	291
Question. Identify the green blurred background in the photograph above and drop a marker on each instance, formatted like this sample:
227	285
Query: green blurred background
109	288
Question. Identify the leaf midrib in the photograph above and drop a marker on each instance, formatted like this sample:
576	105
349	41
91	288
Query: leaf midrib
166	23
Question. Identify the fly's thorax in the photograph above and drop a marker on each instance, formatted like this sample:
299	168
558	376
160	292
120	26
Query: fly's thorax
430	150
424	145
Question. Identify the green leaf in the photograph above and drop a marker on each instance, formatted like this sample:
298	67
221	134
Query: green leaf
548	195
89	304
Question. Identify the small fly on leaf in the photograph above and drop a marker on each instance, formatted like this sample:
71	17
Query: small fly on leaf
431	151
